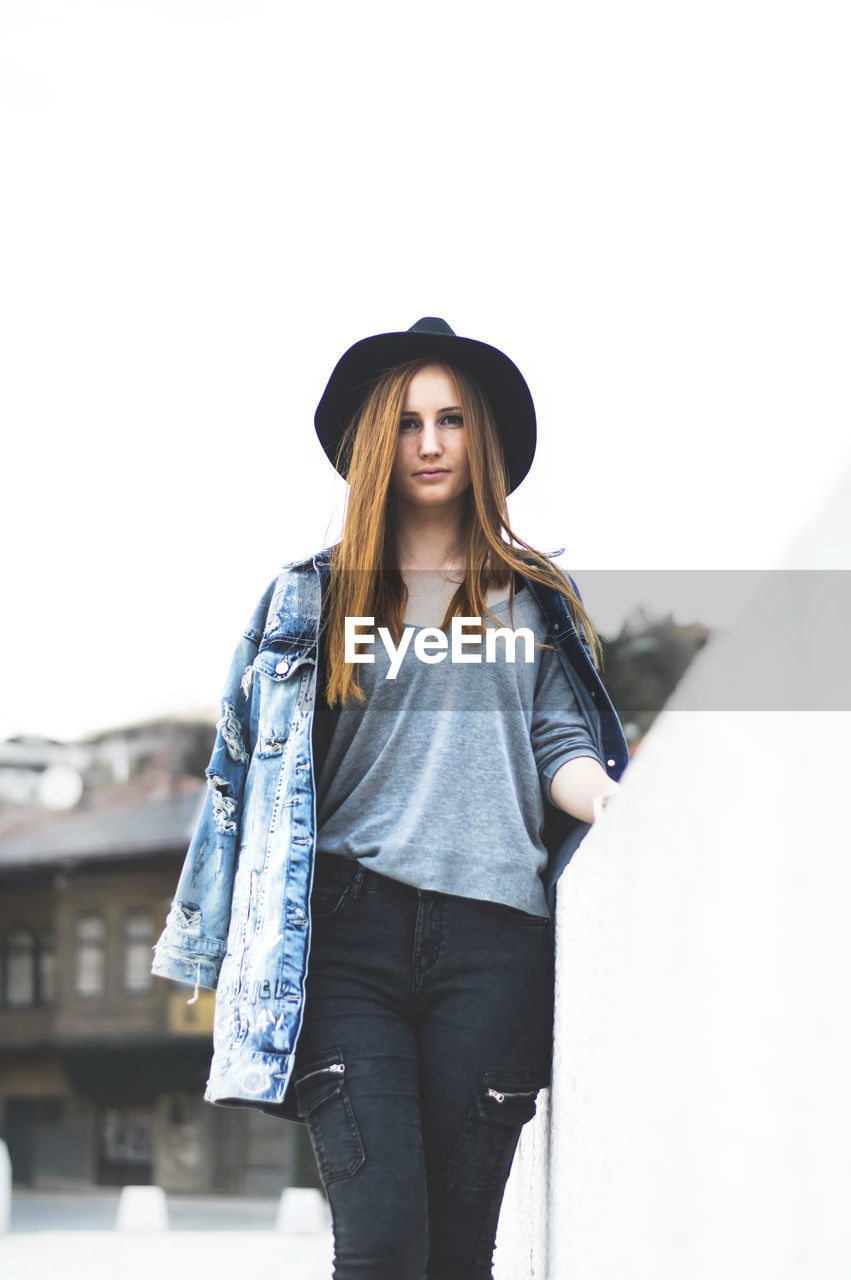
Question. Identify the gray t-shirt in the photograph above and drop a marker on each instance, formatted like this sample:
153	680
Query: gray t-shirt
439	779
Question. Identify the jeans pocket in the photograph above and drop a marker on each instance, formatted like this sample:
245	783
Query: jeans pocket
480	1161
330	890
323	1103
520	917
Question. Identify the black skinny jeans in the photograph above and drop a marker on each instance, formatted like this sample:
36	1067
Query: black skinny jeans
426	1037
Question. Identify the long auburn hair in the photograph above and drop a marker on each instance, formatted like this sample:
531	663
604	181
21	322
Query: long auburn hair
365	580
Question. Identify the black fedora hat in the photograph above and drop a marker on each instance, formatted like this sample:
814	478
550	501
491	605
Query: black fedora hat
501	380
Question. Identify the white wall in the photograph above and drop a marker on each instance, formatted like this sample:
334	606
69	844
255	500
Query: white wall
700	1118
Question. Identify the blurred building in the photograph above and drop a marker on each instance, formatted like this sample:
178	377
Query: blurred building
102	1065
644	663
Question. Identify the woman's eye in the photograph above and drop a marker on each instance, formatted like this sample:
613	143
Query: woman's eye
448	419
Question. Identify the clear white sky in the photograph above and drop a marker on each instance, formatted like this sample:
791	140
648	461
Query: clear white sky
206	202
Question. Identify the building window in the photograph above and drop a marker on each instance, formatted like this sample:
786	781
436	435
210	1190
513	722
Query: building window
20	968
90	954
46	967
138	945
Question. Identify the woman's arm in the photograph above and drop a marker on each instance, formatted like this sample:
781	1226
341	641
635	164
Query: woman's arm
579	786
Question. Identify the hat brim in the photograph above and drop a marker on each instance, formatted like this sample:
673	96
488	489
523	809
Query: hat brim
501	381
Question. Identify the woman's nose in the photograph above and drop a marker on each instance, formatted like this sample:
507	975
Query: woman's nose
429	442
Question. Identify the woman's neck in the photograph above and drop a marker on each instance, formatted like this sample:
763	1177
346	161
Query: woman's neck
429	539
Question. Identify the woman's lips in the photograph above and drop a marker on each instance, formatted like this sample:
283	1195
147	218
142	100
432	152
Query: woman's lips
430	475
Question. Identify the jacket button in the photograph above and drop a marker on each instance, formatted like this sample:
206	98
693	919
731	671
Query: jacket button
610	763
282	668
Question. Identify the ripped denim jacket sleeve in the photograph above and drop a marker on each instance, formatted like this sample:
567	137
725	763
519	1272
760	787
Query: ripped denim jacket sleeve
194	940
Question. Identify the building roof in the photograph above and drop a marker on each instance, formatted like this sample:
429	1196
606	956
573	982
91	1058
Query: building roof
133	827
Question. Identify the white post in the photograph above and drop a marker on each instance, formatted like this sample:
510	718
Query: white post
5	1188
142	1209
302	1209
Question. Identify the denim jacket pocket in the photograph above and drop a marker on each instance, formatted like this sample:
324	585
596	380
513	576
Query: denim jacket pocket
481	1159
286	684
323	1102
280	664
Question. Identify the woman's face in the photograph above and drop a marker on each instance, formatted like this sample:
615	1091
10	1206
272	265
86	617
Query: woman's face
431	466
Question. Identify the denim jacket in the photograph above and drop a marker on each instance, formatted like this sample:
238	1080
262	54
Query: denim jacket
239	922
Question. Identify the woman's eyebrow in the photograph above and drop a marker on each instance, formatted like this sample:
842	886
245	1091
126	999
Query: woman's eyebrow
414	413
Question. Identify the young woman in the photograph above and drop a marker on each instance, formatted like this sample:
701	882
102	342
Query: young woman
405	715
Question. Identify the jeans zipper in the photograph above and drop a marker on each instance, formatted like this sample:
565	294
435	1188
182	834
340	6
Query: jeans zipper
500	1097
336	1068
